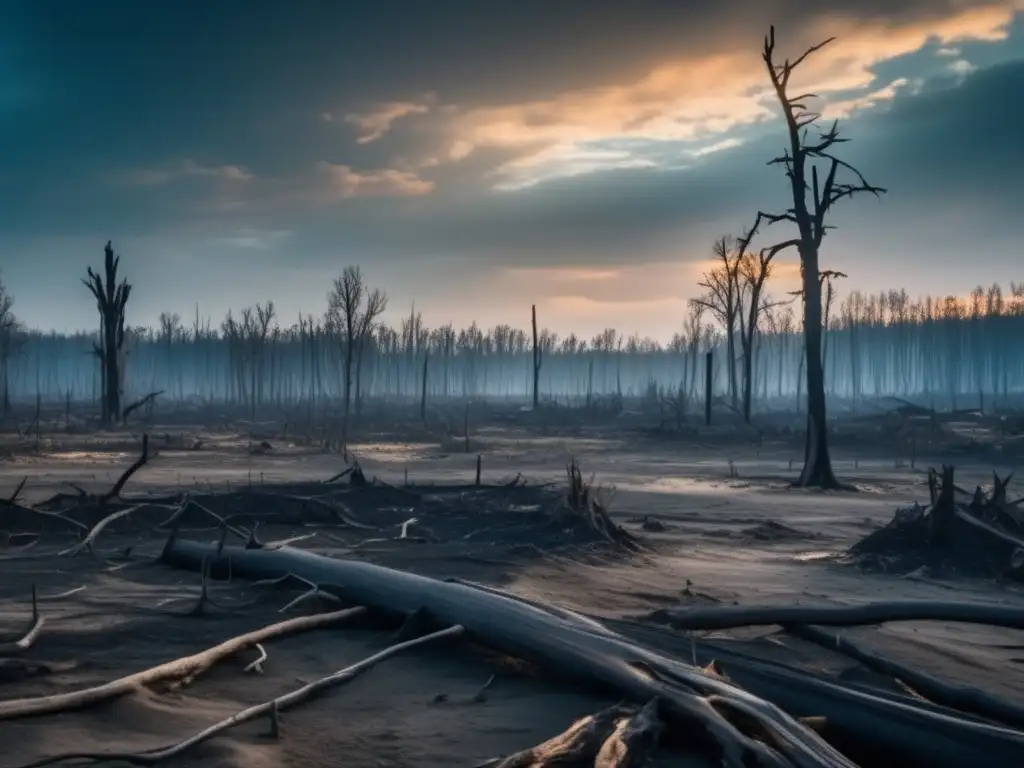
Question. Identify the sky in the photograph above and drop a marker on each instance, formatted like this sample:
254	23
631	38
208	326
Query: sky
474	158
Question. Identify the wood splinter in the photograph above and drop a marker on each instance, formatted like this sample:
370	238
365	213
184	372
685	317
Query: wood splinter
620	736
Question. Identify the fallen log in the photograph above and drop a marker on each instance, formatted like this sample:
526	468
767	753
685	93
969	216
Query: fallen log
269	709
884	730
953	696
731	616
184	669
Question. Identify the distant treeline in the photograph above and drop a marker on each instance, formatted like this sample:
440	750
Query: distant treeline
884	344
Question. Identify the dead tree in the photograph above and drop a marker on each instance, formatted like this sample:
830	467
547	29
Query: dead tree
537	359
111	298
752	272
800	162
353	309
8	333
723	299
376	303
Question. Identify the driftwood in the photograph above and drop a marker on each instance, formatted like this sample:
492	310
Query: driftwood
730	617
740	724
182	670
269	709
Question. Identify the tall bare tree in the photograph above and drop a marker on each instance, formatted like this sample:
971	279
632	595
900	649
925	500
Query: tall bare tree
111	298
375	305
8	333
752	272
800	161
722	298
353	309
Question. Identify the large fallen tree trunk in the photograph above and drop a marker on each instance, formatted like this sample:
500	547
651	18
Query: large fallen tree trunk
730	616
882	730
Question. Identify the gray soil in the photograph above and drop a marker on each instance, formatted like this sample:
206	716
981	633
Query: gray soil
719	519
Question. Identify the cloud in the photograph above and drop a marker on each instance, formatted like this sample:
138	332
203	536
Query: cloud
342	182
186	169
254	239
688	106
375	123
844	108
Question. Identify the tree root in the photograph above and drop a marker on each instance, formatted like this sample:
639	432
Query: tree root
266	709
730	617
29	638
184	669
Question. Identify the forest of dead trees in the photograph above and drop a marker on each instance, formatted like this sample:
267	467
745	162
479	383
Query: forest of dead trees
953	352
819	341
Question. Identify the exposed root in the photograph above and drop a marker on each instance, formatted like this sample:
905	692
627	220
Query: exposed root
29	638
984	537
186	668
267	709
585	507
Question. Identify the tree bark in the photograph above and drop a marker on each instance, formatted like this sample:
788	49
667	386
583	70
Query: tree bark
817	471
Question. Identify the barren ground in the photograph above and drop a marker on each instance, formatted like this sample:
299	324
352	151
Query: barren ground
719	543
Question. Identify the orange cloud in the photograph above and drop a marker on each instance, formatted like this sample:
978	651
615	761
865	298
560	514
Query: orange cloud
694	99
377	122
343	183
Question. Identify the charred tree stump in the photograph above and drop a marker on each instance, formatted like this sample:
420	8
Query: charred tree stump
983	538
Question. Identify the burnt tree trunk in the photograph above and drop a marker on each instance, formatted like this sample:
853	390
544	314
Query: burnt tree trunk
111	298
817	471
536	359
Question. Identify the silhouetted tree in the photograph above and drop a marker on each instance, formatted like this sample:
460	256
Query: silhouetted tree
353	309
800	162
8	333
722	297
111	298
